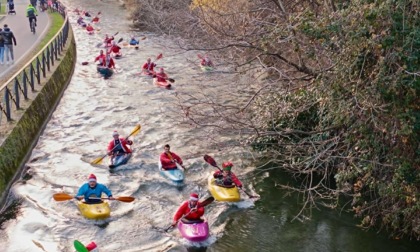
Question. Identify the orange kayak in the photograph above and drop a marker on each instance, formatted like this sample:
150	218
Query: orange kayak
164	84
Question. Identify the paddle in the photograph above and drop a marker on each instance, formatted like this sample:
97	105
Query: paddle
213	163
79	246
179	166
135	131
200	204
65	197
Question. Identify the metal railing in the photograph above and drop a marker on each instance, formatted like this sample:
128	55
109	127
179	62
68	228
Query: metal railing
35	70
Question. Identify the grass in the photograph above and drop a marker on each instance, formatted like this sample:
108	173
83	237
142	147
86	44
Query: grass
3	7
56	21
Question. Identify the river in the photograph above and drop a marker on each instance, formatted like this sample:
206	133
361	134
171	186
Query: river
81	127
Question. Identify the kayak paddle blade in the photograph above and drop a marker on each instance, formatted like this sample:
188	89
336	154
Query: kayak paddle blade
206	201
125	198
159	56
210	160
62	197
171	80
136	130
97	161
79	246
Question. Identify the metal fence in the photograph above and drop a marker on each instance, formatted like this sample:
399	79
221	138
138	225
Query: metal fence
17	87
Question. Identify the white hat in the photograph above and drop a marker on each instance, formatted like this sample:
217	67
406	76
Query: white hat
115	133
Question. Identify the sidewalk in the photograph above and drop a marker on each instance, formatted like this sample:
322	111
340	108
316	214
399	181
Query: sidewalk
26	41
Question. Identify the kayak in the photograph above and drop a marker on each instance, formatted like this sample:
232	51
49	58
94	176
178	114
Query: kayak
164	84
127	45
221	193
94	211
106	72
206	68
175	175
119	160
150	73
195	232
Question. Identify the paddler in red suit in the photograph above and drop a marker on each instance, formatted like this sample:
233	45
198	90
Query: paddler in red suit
169	159
118	146
189	211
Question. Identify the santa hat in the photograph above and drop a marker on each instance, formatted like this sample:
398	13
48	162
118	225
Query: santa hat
91	247
92	177
194	197
115	133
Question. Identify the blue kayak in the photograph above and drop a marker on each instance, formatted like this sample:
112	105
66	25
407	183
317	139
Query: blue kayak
106	72
175	175
120	160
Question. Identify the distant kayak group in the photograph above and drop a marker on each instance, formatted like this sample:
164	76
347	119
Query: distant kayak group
223	184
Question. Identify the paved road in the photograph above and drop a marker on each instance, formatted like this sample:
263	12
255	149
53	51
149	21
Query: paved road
26	41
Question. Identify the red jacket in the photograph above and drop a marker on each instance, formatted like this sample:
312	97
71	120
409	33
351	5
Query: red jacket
114	49
184	209
111	63
166	161
108	40
161	77
149	67
123	144
233	177
89	28
101	58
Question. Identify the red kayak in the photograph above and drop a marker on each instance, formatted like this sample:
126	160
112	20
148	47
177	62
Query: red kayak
150	73
164	84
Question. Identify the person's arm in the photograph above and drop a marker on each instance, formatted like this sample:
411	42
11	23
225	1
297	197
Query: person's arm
106	191
110	147
180	212
127	141
14	39
81	193
217	174
196	213
112	63
235	180
177	158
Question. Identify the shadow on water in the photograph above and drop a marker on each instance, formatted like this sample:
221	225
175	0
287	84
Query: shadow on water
10	211
196	249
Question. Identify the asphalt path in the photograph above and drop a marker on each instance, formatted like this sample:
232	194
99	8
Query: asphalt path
26	41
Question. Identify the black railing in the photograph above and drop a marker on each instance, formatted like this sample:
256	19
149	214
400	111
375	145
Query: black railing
34	71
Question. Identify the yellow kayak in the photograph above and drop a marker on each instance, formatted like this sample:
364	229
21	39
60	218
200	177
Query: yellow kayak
221	193
94	211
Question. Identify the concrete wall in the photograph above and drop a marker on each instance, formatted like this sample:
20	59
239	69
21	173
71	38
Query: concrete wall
16	149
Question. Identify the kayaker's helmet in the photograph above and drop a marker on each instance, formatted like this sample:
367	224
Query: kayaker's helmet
115	133
193	197
91	247
92	178
227	166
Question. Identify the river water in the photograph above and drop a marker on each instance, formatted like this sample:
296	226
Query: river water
81	127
